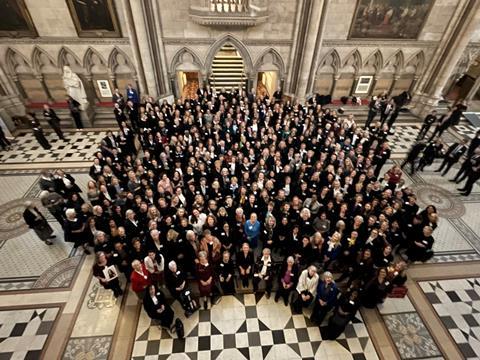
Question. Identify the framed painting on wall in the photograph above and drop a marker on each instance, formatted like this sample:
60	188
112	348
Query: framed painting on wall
363	84
104	88
94	18
15	20
389	19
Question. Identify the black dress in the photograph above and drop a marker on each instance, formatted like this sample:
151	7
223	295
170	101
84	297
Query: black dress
113	284
342	315
224	270
73	225
153	304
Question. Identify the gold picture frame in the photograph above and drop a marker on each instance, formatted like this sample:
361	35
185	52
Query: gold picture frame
380	20
94	18
15	20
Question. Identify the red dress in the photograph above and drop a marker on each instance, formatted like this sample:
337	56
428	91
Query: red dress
139	281
204	273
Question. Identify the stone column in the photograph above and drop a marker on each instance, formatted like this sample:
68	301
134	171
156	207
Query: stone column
141	44
45	88
413	84
334	83
354	84
312	34
449	53
90	87
140	78
372	86
473	90
392	86
113	79
20	87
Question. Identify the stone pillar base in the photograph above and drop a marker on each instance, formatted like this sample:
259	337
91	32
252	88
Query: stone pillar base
422	104
88	116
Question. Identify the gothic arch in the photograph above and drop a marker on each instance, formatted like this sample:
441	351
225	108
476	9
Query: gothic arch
354	59
417	62
331	59
67	57
118	60
43	62
230	39
276	60
396	60
374	60
91	64
17	63
178	59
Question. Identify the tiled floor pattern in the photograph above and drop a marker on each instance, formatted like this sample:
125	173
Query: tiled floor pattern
249	327
79	146
457	303
23	333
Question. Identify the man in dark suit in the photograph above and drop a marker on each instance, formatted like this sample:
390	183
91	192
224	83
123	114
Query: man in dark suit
36	221
474	144
74	107
412	156
473	174
453	154
119	114
132	94
117	98
132	112
53	120
427	123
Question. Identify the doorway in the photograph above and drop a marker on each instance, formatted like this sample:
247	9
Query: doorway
228	70
267	83
188	84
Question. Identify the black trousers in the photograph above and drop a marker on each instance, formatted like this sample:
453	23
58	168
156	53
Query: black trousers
78	119
463	172
283	293
472	179
424	131
446	165
319	312
268	283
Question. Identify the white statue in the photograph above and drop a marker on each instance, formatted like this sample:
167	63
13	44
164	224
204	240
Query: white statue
74	86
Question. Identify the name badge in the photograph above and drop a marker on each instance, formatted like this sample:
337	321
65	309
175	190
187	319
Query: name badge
222	265
387	283
145	276
115	255
178	272
351	302
425	242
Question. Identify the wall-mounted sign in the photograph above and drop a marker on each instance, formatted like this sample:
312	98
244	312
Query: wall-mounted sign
104	88
363	84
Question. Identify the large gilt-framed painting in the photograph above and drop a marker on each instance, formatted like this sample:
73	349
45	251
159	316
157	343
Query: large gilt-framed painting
94	18
389	19
15	21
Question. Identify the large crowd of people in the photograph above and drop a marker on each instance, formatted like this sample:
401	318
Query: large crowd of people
206	196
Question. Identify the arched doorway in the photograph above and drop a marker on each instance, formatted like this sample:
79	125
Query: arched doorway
228	69
185	72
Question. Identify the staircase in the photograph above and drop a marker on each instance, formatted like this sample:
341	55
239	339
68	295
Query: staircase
103	118
227	69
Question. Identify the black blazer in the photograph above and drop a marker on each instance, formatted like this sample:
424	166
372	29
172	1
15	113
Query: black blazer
150	307
458	154
244	262
30	218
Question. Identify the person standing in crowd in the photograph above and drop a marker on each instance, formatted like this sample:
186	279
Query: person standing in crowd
100	269
53	120
117	98
74	229
412	156
244	260
287	279
38	132
263	271
326	298
452	156
55	204
427	123
37	222
157	308
140	278
473	175
206	281
345	311
132	94
252	229
226	274
75	112
306	289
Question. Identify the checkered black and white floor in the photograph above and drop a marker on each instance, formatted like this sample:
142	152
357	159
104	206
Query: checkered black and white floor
248	326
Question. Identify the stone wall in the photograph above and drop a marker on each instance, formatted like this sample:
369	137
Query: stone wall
305	41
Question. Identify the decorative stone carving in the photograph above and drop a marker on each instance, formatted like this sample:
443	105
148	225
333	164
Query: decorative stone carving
74	86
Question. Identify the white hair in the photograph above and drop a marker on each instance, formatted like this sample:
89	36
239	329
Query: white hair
70	212
171	265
